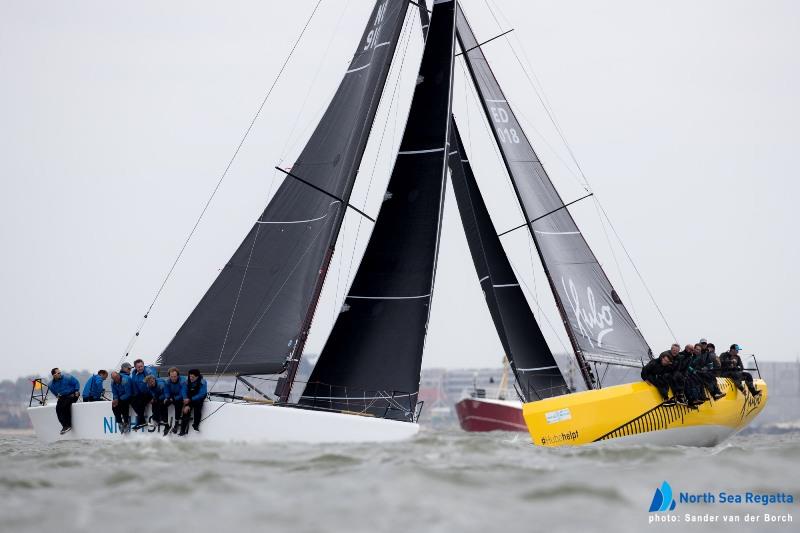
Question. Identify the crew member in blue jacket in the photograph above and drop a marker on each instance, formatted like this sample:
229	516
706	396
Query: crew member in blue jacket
121	400
175	392
67	389
141	395
196	391
93	389
156	387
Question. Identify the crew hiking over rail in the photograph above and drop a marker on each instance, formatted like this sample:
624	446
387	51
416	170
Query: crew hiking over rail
692	374
134	388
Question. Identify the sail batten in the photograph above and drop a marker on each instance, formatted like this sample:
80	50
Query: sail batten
255	312
376	345
595	318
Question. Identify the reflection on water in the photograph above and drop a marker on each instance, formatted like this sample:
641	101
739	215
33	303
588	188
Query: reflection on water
441	481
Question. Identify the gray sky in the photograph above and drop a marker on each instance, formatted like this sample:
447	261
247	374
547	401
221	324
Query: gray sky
117	121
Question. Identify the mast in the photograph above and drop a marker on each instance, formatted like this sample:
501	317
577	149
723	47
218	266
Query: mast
599	327
372	358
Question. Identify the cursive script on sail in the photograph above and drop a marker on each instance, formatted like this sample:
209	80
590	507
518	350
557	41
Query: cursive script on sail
589	319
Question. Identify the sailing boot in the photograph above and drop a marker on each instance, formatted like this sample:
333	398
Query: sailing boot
177	425
184	427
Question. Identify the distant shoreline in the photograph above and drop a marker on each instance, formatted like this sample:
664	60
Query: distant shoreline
14	432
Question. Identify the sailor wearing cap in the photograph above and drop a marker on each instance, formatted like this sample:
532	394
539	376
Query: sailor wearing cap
733	368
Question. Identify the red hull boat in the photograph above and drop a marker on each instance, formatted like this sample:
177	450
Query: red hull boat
484	414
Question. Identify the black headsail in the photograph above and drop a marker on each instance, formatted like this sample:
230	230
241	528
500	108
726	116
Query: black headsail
375	347
259	308
599	327
537	373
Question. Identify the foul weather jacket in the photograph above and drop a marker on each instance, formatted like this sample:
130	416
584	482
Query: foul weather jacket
93	388
731	362
175	390
65	386
197	391
137	380
122	390
158	392
655	368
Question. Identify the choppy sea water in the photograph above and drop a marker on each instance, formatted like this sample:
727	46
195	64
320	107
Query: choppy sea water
442	481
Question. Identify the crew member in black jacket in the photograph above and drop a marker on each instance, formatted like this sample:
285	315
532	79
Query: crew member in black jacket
658	372
733	368
701	367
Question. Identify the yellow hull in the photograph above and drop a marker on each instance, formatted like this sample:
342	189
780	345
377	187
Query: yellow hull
634	412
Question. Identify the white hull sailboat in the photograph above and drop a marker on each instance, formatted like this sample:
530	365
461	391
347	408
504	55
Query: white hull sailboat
228	421
254	320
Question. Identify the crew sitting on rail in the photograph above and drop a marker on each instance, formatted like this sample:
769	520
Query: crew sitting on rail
121	394
733	368
196	391
701	368
712	354
93	389
141	395
156	387
174	394
693	387
658	372
67	389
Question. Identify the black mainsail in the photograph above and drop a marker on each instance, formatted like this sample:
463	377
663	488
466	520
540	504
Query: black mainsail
599	327
535	369
259	308
375	348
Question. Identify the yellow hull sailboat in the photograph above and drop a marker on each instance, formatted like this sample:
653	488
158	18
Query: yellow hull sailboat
635	413
601	332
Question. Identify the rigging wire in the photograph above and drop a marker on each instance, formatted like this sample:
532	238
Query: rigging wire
268	307
539	91
551	115
139	328
407	36
517	271
290	141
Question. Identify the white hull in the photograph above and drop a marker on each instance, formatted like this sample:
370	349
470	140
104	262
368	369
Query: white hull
225	421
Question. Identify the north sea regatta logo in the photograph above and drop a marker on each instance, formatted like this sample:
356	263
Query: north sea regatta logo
662	499
723	506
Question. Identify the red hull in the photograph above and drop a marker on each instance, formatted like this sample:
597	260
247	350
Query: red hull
475	414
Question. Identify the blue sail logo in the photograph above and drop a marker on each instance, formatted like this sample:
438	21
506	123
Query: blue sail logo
662	499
